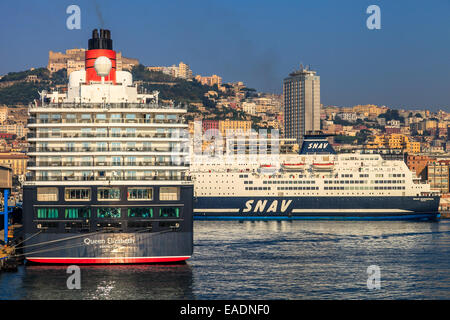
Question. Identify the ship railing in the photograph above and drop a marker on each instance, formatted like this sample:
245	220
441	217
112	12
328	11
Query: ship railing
92	149
89	105
108	178
32	164
33	120
31	135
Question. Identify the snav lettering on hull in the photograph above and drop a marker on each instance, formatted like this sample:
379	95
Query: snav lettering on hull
263	206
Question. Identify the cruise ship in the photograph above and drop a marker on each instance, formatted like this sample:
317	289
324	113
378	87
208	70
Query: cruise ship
107	178
315	183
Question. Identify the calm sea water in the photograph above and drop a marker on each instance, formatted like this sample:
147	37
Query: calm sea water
269	260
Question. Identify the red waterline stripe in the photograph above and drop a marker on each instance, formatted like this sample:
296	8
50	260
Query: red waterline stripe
107	260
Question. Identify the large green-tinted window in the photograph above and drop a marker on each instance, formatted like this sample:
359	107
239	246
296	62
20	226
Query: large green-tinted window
140	212
169	212
75	213
47	213
108	212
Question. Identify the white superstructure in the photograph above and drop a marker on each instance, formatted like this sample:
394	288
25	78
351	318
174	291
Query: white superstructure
306	175
105	132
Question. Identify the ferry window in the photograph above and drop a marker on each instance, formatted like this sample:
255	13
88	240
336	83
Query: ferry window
108	212
140	212
140	193
108	194
86	116
169	212
47	213
47	194
100	116
83	194
75	213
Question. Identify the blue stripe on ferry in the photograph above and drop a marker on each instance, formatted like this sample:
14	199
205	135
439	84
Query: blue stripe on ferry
402	217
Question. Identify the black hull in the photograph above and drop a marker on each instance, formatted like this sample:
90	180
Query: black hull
95	240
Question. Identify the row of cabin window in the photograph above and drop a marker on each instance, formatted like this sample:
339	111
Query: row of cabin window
84	194
362	181
297	188
365	188
107	212
289	182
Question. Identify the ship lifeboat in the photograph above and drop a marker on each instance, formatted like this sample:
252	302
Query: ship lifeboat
267	169
294	166
324	166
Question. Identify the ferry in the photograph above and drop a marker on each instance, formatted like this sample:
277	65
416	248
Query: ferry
103	184
315	183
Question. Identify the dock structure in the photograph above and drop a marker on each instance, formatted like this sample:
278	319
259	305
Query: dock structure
6	251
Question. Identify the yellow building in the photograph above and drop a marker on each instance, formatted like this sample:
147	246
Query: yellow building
431	124
16	161
210	81
4	111
413	147
234	127
369	109
394	141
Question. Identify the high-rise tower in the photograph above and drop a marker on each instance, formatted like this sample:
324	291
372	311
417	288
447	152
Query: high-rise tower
301	101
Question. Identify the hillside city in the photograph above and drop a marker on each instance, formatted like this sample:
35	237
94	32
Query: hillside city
419	137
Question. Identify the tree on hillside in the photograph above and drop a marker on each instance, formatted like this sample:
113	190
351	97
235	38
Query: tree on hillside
392	114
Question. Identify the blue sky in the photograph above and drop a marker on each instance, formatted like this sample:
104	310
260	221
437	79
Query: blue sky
405	64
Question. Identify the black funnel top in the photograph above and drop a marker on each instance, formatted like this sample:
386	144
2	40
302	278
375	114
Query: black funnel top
100	41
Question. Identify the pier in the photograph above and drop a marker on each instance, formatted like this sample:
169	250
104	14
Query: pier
8	261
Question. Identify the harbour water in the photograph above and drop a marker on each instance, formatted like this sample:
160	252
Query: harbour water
269	260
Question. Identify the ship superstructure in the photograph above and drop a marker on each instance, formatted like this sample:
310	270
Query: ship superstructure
107	180
316	183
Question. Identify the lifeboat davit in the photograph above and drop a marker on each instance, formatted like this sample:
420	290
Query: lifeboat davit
325	166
